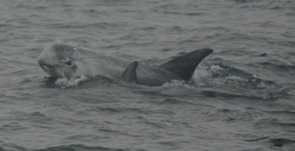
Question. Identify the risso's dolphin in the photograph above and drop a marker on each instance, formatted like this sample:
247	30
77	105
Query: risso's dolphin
66	61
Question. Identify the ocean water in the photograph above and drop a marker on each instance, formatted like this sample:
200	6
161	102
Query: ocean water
243	98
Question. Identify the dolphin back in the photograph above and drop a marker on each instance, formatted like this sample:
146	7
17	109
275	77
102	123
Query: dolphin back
185	65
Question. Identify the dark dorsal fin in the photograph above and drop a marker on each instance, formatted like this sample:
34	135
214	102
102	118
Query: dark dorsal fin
185	65
129	75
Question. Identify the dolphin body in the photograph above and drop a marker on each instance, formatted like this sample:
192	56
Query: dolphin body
66	61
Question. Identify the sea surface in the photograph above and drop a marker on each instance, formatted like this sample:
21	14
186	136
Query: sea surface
243	97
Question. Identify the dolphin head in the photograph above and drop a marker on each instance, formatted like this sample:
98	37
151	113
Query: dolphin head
58	61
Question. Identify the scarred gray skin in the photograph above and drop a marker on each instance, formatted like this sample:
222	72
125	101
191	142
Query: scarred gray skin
66	61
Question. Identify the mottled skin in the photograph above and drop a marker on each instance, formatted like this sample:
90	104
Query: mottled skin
62	60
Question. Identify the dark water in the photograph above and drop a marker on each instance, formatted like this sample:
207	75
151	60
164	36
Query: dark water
243	100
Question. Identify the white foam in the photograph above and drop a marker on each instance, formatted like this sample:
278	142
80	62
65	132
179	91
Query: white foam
65	83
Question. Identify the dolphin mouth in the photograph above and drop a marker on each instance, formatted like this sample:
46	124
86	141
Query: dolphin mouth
46	67
50	69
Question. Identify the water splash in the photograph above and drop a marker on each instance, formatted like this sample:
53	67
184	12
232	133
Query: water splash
73	82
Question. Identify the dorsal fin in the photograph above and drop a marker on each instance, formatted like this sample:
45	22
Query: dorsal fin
129	75
185	65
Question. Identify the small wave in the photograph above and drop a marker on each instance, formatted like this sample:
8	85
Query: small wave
281	142
78	147
247	95
256	139
174	101
230	82
243	1
12	147
76	43
279	67
285	112
77	25
266	4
